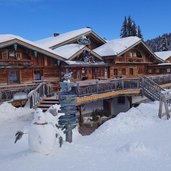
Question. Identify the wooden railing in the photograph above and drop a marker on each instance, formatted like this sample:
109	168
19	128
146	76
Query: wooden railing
37	94
89	87
128	59
9	62
151	89
7	92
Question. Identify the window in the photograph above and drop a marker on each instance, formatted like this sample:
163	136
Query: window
168	69
134	54
138	54
5	54
11	53
18	55
49	61
13	77
140	70
157	70
78	75
149	71
38	75
129	54
115	71
123	71
131	71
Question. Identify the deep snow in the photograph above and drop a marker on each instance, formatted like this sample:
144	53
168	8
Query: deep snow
136	140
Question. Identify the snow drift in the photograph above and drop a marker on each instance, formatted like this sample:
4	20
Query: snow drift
134	140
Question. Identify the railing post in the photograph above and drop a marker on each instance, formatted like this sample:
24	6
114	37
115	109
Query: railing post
43	89
97	86
31	102
122	83
78	89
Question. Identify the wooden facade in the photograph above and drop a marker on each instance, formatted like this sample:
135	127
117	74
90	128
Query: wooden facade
21	65
130	64
92	67
24	63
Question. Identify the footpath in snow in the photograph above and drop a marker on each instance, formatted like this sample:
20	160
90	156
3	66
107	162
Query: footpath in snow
135	140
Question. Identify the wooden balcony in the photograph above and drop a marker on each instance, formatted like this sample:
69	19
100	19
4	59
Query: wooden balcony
98	88
129	60
9	62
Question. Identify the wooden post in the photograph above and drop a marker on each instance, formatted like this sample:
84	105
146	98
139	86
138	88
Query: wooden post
78	89
97	86
68	133
166	108
160	108
80	115
163	101
122	83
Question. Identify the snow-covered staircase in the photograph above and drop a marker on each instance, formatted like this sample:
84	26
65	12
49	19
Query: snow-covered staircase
154	92
47	102
151	89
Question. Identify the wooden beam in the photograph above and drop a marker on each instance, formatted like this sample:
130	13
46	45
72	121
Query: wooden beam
108	95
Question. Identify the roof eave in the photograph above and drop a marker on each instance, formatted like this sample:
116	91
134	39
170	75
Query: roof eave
66	41
138	42
75	38
28	45
85	48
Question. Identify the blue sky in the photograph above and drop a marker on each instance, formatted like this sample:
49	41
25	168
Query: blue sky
36	19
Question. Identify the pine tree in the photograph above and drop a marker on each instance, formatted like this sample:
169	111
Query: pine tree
133	29
129	28
139	32
124	30
164	44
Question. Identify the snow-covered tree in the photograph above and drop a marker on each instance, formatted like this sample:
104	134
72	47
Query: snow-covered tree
160	43
124	29
164	44
129	28
139	32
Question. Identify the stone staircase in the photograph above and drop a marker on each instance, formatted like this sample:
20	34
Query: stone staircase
47	102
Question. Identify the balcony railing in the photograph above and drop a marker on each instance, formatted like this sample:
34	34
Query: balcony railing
128	59
89	87
7	92
4	63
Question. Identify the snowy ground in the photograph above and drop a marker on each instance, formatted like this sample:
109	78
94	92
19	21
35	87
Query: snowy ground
133	141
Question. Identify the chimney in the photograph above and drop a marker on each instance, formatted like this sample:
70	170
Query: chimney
55	34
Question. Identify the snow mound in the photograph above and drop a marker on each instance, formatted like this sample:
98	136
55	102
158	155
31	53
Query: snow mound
134	148
9	112
136	118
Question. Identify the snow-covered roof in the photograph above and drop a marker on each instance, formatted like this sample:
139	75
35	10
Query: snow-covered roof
167	63
80	63
116	46
53	41
7	39
164	54
67	51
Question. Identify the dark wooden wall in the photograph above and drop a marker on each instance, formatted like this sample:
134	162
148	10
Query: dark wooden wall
26	62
